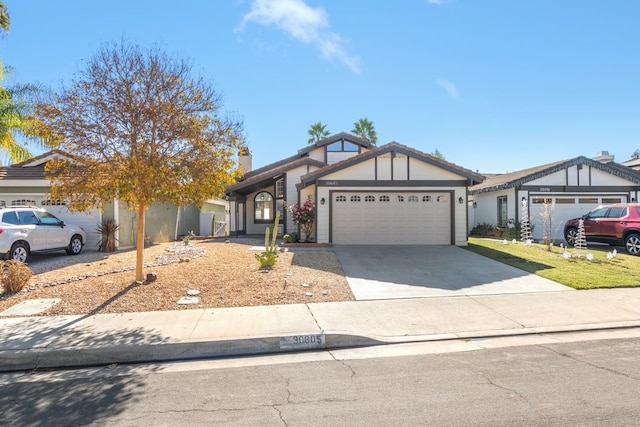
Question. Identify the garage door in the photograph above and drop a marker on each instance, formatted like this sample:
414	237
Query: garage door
391	218
87	220
563	208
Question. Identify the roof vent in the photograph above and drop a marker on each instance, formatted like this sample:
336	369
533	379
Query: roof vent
604	157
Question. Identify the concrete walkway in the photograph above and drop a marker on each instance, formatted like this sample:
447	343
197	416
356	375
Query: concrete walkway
39	342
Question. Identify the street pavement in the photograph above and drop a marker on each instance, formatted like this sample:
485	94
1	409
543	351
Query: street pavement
528	306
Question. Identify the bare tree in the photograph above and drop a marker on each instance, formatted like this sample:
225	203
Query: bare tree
142	129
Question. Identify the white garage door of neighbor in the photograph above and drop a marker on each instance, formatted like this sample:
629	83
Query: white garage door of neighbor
87	220
391	218
563	208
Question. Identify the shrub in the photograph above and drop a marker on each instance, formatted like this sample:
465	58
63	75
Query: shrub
303	217
108	240
268	258
290	238
15	276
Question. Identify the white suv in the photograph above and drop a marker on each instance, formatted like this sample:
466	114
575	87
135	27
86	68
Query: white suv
26	229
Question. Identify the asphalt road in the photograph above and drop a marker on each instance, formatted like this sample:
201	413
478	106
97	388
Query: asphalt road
582	383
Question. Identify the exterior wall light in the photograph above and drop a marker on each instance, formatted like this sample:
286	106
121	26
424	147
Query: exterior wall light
322	201
460	200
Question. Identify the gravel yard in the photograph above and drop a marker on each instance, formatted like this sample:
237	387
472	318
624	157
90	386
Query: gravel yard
225	274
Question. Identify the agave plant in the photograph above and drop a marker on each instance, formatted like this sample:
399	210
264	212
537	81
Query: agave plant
108	240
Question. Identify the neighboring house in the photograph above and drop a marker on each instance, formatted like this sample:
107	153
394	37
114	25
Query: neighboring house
25	183
633	164
363	194
566	189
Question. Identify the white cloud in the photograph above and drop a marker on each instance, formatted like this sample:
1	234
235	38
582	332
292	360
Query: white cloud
304	23
450	88
437	2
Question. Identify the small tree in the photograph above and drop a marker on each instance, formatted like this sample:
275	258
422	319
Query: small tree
142	130
303	217
581	238
525	225
547	223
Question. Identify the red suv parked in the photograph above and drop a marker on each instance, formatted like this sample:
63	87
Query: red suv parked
617	224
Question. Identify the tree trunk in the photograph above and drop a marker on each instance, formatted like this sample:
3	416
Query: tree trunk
140	243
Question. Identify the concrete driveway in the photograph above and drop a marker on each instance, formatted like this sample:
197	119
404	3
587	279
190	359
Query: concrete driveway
386	272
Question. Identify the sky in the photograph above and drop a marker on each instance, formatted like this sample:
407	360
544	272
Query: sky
494	85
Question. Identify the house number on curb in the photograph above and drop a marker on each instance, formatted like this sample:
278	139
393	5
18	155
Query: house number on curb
302	341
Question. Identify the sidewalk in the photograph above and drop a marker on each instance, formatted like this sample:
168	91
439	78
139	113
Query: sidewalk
65	341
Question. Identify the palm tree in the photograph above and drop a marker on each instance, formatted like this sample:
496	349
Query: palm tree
365	130
17	119
4	19
317	131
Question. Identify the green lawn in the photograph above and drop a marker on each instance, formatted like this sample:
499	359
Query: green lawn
577	272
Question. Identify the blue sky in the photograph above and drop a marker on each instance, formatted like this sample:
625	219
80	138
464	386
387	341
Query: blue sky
494	85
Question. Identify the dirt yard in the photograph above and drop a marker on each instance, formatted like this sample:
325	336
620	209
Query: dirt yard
226	274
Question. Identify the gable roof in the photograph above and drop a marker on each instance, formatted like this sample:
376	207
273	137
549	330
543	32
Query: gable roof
394	147
267	175
31	169
342	136
518	178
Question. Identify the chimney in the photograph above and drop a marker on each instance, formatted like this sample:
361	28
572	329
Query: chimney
244	159
604	157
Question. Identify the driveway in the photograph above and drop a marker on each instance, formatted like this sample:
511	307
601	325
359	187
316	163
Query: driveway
386	272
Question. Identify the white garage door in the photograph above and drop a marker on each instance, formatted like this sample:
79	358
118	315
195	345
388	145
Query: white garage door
562	208
87	220
391	218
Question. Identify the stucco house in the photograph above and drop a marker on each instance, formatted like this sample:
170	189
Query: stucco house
363	194
25	183
566	189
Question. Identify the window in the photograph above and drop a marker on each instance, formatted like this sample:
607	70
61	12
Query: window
355	198
369	198
53	203
611	200
540	200
27	217
23	202
617	212
385	199
426	198
565	200
598	213
280	189
502	211
413	198
401	198
341	199
442	198
588	200
263	207
10	217
46	218
343	146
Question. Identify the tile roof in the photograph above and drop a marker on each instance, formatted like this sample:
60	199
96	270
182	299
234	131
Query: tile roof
518	178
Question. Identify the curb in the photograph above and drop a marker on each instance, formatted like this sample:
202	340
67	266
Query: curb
44	358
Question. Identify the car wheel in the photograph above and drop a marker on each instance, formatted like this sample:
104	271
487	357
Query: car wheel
632	244
19	252
75	245
570	236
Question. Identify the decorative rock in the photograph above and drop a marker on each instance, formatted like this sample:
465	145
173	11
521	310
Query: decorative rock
189	300
151	277
305	285
309	294
193	292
